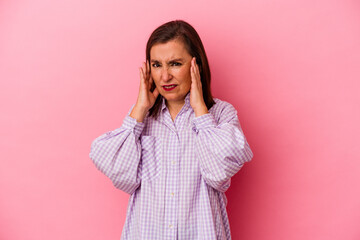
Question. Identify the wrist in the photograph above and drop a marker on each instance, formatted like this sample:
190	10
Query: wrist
139	113
200	110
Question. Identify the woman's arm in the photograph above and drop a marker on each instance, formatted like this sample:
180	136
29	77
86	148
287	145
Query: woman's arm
221	147
117	155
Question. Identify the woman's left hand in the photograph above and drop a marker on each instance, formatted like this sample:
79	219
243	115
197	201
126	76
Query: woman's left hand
196	94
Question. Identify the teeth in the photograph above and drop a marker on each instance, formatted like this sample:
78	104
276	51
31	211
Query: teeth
169	86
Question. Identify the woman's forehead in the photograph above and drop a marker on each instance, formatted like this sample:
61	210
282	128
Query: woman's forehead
171	50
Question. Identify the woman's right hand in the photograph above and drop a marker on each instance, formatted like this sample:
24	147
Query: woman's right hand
146	98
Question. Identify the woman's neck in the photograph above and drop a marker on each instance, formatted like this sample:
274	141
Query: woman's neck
174	107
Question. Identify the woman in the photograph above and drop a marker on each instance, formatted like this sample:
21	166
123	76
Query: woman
178	148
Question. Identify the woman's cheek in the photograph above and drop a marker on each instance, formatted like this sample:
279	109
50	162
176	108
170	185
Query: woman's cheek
184	73
155	77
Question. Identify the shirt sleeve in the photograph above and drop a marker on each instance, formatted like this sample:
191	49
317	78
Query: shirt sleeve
117	154
221	147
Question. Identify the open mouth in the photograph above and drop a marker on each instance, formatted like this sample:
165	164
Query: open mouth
169	87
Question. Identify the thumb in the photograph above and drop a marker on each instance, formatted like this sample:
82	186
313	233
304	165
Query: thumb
156	93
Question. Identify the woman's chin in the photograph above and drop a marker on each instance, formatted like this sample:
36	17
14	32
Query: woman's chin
173	97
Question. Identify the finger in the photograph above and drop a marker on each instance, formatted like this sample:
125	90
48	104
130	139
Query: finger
192	61
193	64
147	68
143	70
197	75
192	73
196	67
156	93
142	86
144	77
151	80
141	76
145	73
142	80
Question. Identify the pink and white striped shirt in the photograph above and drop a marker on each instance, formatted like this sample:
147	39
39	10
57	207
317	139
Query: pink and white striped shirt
176	172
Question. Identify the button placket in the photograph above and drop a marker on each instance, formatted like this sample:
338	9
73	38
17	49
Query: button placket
172	184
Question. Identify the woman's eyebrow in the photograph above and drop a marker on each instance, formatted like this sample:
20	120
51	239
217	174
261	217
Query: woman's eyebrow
176	60
172	60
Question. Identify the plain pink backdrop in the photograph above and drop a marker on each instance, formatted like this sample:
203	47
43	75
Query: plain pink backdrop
69	72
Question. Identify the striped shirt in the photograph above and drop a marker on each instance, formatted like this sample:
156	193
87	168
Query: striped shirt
176	172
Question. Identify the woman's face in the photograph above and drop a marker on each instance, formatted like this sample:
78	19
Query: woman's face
170	69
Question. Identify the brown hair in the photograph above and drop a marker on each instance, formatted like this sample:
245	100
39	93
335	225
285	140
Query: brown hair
183	31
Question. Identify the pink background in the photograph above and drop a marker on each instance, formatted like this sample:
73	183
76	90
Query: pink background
69	72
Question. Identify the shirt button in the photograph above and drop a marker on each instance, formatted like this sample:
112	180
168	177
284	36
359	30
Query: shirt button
170	226
172	194
173	162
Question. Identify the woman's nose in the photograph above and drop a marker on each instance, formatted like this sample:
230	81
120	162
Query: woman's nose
165	74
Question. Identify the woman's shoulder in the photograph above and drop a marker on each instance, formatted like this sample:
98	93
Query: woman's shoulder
222	110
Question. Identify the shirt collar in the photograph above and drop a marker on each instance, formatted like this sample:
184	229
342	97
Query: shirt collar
187	100
163	105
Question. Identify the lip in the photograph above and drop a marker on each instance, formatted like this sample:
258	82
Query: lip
169	89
